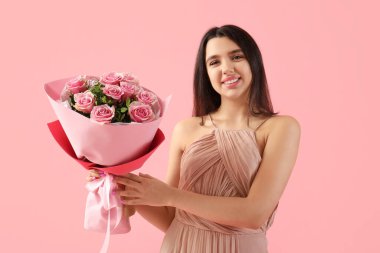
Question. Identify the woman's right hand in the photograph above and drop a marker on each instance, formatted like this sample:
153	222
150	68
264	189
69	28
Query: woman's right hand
94	174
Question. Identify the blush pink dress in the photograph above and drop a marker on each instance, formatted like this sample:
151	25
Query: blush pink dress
222	163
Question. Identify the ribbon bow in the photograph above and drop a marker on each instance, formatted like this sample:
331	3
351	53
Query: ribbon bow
104	211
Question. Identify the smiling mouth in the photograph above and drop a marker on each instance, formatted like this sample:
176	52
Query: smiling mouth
231	83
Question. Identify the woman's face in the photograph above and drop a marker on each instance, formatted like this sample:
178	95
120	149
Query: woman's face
228	68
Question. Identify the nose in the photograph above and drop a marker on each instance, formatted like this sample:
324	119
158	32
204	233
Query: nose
228	67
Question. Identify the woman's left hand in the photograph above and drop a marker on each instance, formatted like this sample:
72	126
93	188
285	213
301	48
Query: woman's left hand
144	190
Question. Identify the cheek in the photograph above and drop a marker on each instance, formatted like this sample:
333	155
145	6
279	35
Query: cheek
215	87
247	72
214	76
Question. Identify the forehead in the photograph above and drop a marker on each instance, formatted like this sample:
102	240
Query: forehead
220	46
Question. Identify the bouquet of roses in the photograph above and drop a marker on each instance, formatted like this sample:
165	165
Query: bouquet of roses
115	97
108	123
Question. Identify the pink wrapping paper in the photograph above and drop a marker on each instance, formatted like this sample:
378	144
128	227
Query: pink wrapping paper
59	135
113	148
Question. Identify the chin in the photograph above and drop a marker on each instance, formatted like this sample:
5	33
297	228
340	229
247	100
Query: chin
233	96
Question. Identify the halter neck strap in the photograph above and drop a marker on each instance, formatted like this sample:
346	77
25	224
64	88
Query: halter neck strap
212	121
257	127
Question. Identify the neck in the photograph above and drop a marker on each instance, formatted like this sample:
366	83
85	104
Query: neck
232	113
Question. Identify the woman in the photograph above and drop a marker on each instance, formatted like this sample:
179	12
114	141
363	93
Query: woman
229	164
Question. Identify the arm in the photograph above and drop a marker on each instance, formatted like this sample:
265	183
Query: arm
162	216
279	157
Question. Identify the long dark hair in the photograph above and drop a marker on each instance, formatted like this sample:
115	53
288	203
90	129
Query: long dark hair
206	99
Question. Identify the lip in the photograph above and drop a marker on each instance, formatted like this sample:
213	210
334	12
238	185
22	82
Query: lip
230	78
232	85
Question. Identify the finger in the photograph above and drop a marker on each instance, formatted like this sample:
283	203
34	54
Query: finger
120	186
115	187
132	185
129	194
133	177
133	202
101	173
96	173
125	199
145	175
128	183
121	180
93	177
93	173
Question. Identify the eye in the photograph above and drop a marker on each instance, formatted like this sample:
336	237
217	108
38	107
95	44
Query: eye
237	57
213	63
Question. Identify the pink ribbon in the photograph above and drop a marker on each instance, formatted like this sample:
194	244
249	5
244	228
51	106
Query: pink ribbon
104	211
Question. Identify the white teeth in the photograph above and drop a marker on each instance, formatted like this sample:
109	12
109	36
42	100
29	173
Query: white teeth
231	81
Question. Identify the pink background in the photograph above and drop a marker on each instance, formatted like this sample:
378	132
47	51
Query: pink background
321	59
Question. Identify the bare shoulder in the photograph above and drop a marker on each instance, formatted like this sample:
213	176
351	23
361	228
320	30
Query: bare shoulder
282	127
185	130
280	121
285	122
274	128
188	124
276	123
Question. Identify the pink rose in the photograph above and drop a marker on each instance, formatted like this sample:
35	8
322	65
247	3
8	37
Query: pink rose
140	112
112	78
65	94
149	98
84	102
92	80
102	114
129	89
129	78
113	91
76	85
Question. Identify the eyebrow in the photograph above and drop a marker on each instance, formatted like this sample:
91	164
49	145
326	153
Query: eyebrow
232	52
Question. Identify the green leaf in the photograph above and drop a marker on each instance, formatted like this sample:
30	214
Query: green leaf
128	102
123	109
72	101
96	89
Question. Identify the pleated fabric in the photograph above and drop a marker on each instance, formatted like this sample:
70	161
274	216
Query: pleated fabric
222	163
